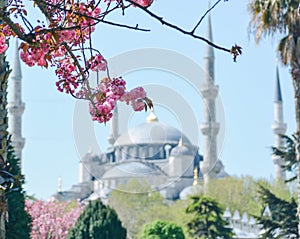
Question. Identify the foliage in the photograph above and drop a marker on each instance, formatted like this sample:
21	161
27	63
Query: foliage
270	17
283	221
207	221
136	204
51	219
241	193
139	207
98	221
162	230
19	222
236	193
288	154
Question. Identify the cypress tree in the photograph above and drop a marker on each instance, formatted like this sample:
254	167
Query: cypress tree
19	222
98	221
283	219
207	221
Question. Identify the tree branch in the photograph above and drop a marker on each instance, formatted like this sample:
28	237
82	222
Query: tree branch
201	19
126	26
21	35
185	32
42	5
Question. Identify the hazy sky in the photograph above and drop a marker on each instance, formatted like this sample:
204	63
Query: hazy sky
246	91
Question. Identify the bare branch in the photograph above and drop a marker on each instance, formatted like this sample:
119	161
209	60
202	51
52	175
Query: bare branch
185	32
201	19
126	26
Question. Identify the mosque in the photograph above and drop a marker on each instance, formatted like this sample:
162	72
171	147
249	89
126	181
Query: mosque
152	151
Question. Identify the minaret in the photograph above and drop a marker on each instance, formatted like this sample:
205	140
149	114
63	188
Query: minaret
114	127
16	106
279	128
59	185
210	127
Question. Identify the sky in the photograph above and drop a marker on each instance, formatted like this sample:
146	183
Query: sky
53	122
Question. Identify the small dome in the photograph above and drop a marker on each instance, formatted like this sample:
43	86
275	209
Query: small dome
152	132
181	151
131	169
245	218
236	215
189	191
227	213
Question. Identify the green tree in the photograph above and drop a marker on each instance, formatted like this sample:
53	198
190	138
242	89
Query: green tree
98	221
270	17
282	221
162	230
137	204
237	193
207	221
19	222
288	154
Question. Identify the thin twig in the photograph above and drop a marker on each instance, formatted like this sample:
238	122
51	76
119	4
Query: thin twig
126	26
201	19
185	32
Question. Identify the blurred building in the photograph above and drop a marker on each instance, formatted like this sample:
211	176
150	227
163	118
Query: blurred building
154	152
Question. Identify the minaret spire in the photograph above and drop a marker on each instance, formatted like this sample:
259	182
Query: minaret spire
278	96
16	106
114	126
279	128
210	128
210	54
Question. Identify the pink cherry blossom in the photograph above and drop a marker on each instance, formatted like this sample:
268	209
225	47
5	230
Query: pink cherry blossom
136	93
138	105
3	45
65	43
144	3
52	219
97	63
67	36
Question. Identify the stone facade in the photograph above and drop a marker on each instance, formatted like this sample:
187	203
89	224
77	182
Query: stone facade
153	152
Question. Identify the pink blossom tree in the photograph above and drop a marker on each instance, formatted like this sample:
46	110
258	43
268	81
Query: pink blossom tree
62	39
64	43
52	220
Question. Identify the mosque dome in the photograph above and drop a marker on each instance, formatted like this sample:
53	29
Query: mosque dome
131	169
182	150
152	132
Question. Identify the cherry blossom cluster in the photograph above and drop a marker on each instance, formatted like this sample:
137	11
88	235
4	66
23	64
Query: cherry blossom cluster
135	98
67	75
54	47
103	98
65	44
143	3
97	63
3	45
52	219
